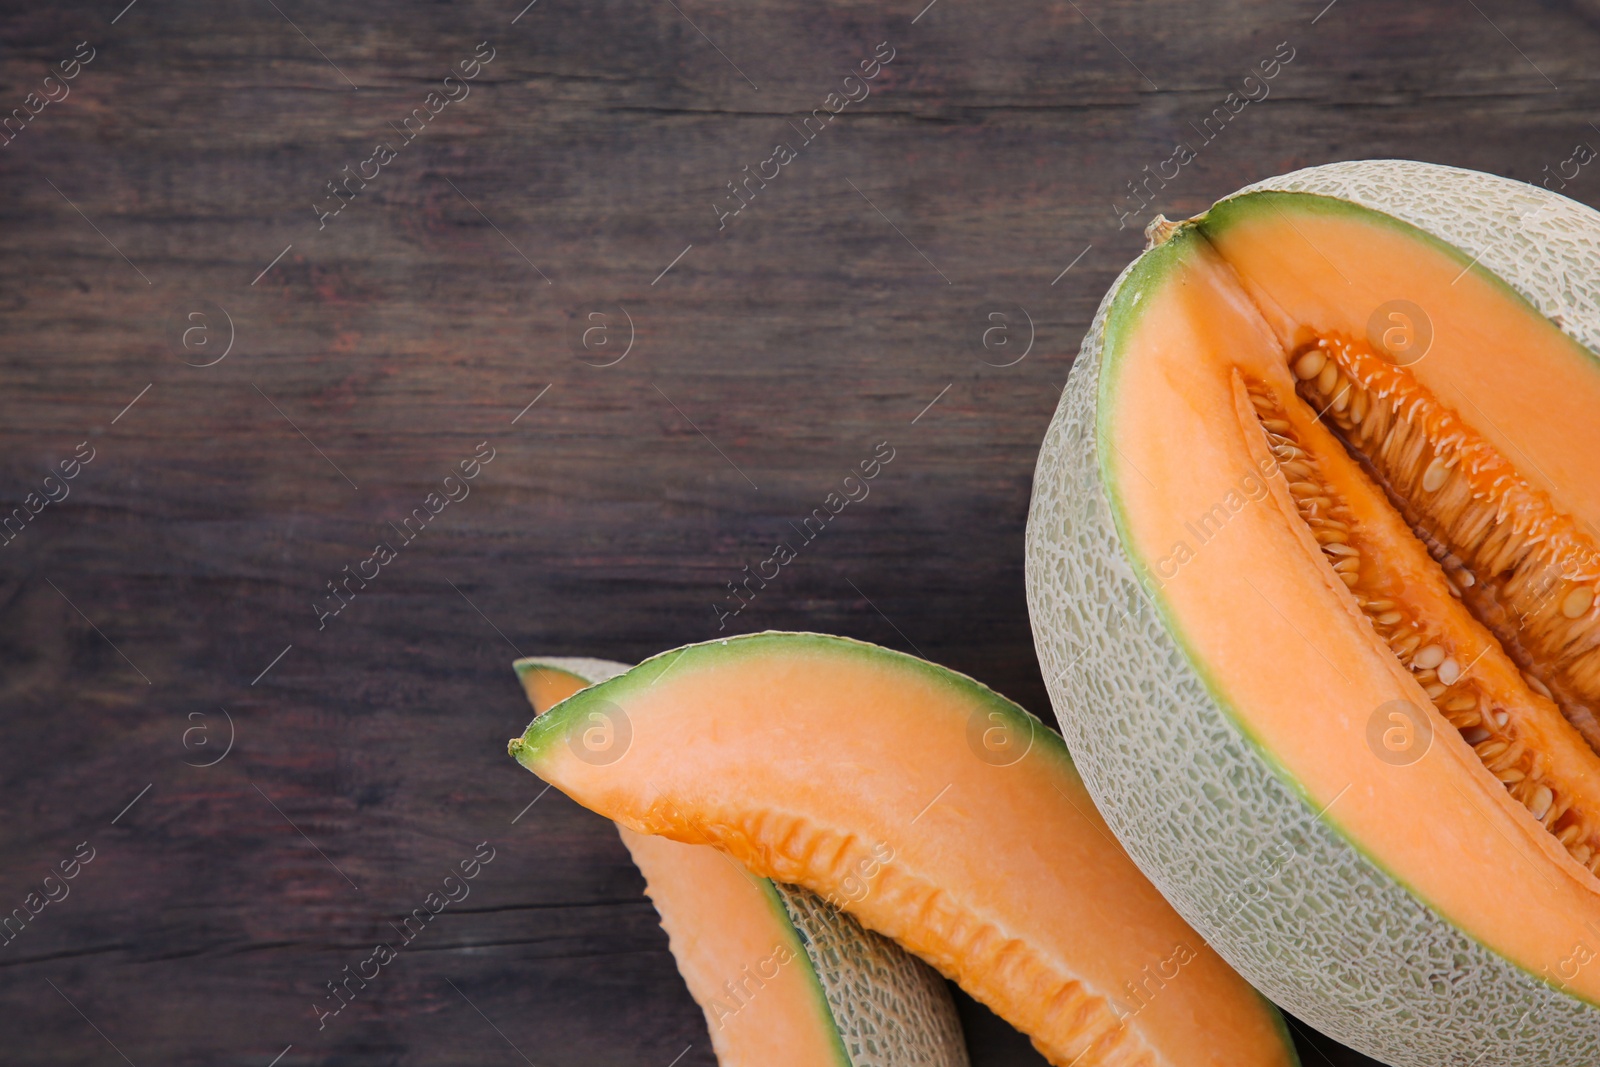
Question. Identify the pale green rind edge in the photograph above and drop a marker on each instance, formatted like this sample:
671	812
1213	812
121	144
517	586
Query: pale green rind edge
584	669
1203	811
854	973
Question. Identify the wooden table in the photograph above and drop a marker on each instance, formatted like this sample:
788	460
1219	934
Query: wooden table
273	370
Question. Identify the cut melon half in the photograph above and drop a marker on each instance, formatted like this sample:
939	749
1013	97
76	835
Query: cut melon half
785	978
937	812
1312	565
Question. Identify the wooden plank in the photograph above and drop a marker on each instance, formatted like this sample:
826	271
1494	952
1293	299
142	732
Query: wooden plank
846	305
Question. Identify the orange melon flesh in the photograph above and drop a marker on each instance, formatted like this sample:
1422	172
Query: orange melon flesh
804	756
546	687
1287	647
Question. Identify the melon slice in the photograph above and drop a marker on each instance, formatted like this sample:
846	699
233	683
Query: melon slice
810	759
1316	523
784	977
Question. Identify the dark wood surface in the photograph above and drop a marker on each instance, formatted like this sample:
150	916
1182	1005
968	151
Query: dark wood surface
376	353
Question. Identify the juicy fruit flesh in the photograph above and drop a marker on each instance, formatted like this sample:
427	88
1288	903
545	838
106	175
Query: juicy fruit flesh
1520	573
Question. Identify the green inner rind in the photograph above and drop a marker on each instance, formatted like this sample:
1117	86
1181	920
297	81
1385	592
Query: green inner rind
555	725
1151	273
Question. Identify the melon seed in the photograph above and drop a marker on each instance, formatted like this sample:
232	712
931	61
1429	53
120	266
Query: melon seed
1327	378
1540	804
1491	749
1475	735
1508	758
1433	478
1310	365
1358	408
1405	645
1428	656
1576	604
1449	672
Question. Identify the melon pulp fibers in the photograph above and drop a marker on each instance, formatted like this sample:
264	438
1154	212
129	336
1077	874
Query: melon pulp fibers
784	977
1314	531
805	756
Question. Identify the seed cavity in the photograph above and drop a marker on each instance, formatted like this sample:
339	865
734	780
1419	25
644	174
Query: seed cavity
1525	569
1490	709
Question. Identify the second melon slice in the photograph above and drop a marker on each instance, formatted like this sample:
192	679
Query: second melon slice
784	977
805	757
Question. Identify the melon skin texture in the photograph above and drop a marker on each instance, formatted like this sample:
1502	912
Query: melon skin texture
1204	811
859	1000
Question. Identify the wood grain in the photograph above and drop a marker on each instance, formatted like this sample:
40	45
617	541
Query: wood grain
454	289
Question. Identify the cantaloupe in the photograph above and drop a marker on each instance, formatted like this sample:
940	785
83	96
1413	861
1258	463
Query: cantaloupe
1312	564
785	978
808	758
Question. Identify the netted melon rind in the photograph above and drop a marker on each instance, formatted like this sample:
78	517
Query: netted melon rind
1298	910
892	1010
